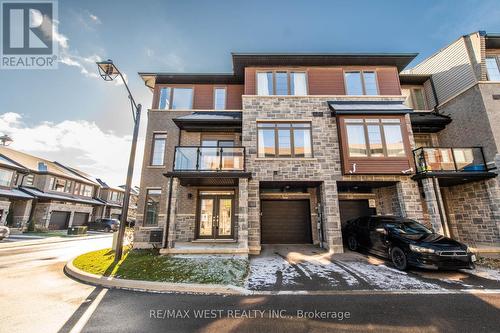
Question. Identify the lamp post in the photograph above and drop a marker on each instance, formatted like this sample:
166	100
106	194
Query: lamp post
5	140
109	72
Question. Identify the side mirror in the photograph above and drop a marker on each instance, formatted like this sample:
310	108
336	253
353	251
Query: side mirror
381	231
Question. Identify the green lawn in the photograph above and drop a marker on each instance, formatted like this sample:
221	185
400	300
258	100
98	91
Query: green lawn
147	265
54	233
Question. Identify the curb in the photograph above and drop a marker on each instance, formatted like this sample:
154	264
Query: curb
230	290
151	286
47	240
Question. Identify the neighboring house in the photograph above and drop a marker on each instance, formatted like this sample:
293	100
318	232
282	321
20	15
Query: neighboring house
461	83
284	150
57	197
112	198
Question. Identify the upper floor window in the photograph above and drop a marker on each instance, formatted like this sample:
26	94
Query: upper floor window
284	140
29	180
176	98
60	185
158	151
415	98
361	83
219	98
281	83
492	67
6	177
372	137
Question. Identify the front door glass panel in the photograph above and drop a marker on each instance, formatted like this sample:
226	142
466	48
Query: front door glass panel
225	216
206	217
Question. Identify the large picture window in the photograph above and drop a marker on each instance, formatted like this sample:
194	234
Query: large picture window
284	140
176	98
493	68
359	83
374	137
219	98
5	177
281	83
152	206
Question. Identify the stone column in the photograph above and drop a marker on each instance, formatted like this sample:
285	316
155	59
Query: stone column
173	212
253	216
433	200
243	213
331	216
409	199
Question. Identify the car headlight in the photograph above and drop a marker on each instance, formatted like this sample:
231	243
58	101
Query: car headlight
421	249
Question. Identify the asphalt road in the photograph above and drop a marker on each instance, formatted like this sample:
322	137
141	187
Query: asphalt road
36	296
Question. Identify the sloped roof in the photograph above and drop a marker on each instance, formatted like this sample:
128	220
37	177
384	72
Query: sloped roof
14	193
62	197
30	162
367	107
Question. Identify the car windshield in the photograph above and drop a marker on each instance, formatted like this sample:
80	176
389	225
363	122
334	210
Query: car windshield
413	227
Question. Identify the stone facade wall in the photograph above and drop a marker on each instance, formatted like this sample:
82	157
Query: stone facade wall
323	167
21	210
387	200
4	208
43	211
473	211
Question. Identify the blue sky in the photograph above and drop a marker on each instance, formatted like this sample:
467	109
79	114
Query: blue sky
198	36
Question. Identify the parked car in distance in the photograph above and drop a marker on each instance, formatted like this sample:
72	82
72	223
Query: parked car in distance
406	243
4	232
105	224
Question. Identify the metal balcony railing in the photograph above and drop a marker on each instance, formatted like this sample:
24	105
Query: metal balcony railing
446	159
194	158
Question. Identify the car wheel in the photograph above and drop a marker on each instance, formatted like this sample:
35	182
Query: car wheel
352	243
107	229
398	258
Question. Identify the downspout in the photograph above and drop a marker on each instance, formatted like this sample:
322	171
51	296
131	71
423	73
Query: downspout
169	201
320	219
440	207
434	94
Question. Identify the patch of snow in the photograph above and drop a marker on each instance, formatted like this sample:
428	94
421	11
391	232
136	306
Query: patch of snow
486	273
330	272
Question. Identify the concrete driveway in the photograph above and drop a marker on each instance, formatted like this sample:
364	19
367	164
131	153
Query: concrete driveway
309	268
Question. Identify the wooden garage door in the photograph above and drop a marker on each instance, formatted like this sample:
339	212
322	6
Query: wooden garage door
351	209
80	218
285	222
59	220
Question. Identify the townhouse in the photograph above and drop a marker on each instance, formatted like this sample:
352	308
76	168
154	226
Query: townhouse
53	195
459	156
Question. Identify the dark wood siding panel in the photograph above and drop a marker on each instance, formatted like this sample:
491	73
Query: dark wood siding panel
203	96
234	93
326	81
250	84
388	81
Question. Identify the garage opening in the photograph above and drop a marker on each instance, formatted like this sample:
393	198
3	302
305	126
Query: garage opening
59	220
80	219
351	209
285	222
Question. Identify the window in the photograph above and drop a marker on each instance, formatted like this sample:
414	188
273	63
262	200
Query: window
361	83
284	140
158	153
88	190
492	68
76	189
219	98
29	180
152	207
281	83
422	140
6	177
415	98
372	137
59	185
176	98
67	186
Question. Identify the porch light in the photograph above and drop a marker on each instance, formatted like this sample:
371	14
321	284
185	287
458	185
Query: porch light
107	70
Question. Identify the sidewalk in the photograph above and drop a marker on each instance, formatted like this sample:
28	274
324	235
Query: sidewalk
27	240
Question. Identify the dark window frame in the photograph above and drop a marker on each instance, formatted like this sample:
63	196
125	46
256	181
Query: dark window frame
276	128
153	145
157	213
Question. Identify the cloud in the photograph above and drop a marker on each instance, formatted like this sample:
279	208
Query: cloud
94	18
78	143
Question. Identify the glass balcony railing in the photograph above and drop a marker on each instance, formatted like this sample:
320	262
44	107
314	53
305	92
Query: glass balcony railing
209	159
441	159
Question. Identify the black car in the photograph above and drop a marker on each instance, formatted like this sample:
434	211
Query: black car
104	225
406	242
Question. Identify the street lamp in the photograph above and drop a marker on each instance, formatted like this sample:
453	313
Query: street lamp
5	140
109	72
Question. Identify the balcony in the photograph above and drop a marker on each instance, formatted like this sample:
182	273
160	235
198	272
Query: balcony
452	165
207	166
209	159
